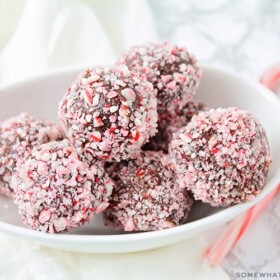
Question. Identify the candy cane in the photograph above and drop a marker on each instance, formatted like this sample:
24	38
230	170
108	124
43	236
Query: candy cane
271	77
235	230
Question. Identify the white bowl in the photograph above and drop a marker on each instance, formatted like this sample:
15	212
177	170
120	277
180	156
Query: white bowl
219	88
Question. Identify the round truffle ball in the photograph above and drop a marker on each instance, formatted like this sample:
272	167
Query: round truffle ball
56	191
146	196
18	136
172	70
109	113
222	156
171	123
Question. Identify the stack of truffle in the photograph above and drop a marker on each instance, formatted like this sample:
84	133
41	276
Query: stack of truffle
135	145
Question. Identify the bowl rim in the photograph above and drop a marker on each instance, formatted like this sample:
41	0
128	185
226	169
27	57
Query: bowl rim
210	221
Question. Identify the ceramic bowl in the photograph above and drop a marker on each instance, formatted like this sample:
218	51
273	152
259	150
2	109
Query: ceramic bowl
219	88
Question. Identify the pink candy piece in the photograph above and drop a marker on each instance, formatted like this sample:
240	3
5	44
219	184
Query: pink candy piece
88	94
129	226
129	94
44	216
171	85
112	94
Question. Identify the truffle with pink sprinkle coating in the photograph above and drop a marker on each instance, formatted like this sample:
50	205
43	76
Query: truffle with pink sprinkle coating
146	196
172	70
109	113
222	156
169	124
18	135
56	191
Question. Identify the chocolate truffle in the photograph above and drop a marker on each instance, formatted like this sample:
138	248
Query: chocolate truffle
109	113
18	136
146	196
222	156
172	70
56	191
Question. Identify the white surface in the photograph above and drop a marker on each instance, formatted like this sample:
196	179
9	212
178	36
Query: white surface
179	262
96	238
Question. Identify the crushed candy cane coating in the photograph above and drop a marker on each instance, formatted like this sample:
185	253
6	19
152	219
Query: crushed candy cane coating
146	196
222	156
56	191
171	123
18	136
172	70
109	113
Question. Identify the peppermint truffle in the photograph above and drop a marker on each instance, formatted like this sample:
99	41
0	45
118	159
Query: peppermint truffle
222	156
109	113
169	124
146	196
18	136
172	70
56	191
